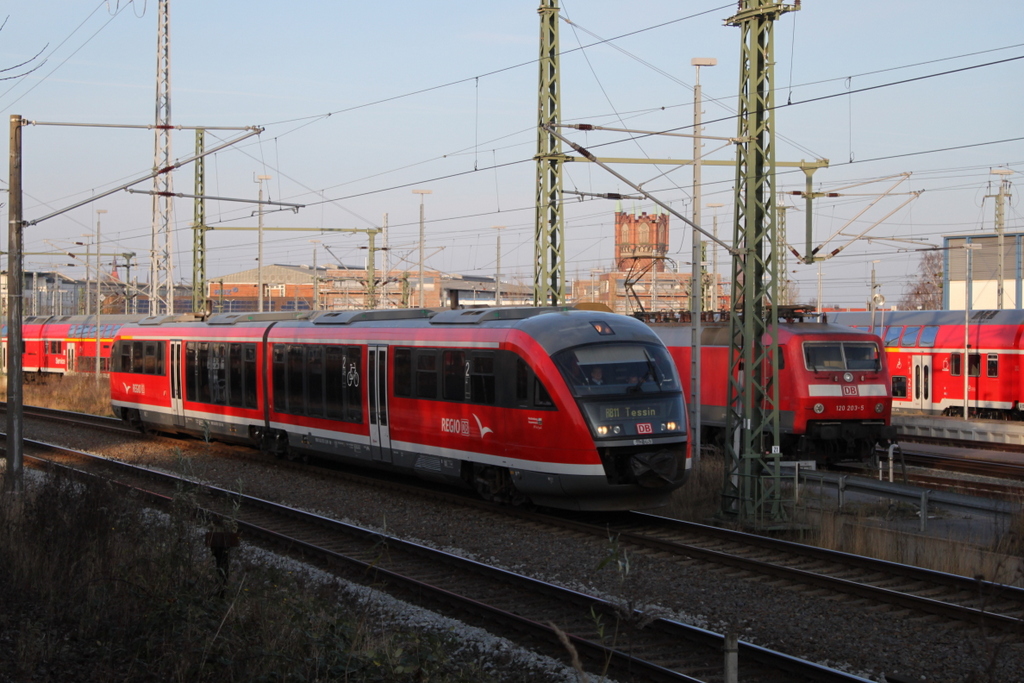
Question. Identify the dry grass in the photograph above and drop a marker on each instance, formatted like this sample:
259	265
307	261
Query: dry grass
998	555
78	393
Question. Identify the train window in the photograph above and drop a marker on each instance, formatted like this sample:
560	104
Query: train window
280	375
202	362
149	358
899	386
123	353
426	373
974	365
992	365
137	357
481	379
892	335
296	399
353	399
315	381
334	369
910	335
928	335
954	364
403	372
824	356
528	386
249	387
625	369
861	356
236	383
455	374
927	371
917	382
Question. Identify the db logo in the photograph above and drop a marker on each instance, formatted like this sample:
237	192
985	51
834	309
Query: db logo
644	428
849	391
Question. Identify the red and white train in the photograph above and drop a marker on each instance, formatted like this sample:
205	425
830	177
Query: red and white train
834	395
55	346
926	351
568	408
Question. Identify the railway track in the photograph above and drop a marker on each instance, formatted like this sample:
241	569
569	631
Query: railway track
521	608
973	601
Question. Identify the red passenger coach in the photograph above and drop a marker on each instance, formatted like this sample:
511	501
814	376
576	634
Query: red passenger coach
834	396
566	408
55	346
926	351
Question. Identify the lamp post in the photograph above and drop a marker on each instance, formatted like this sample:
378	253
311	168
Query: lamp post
497	268
259	257
421	193
968	294
714	256
99	288
696	279
316	279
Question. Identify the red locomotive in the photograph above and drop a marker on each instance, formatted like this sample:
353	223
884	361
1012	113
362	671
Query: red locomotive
833	384
567	408
58	345
926	351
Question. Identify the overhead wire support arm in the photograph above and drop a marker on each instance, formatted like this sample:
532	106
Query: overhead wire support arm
294	207
178	164
579	149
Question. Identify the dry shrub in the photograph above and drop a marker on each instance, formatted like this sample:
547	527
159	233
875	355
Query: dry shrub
96	589
700	498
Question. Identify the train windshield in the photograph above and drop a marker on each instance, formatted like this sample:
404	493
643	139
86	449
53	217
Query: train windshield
617	369
826	356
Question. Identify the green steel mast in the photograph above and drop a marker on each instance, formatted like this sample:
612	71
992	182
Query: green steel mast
199	228
549	243
752	486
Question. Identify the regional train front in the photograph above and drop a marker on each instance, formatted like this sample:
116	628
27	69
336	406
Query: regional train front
630	397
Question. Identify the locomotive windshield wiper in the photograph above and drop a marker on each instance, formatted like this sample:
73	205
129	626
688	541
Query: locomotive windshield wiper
651	374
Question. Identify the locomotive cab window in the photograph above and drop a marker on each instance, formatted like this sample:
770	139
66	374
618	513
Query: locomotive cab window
617	369
841	356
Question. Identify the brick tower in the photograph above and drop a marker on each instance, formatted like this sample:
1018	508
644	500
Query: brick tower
639	240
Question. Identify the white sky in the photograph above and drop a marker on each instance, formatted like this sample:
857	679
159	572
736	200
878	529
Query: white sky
364	102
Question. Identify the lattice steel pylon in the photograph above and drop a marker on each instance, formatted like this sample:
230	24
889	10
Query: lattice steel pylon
161	271
549	243
752	486
199	228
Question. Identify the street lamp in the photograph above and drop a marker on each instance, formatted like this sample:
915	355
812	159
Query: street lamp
421	193
965	366
714	256
99	288
316	279
259	257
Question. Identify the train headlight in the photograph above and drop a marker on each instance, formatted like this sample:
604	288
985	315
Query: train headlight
669	426
879	407
616	429
847	376
602	430
819	408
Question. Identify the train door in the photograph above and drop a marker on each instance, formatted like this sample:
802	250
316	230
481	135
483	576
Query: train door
69	356
921	381
377	388
177	404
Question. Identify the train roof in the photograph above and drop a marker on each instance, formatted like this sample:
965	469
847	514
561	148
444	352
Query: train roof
717	333
554	328
882	318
